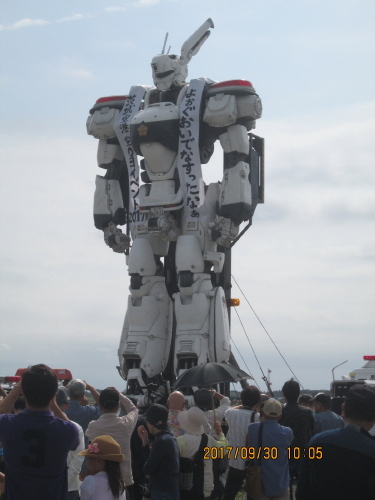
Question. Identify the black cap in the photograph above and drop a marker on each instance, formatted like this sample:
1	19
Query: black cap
203	399
323	398
157	415
361	398
109	399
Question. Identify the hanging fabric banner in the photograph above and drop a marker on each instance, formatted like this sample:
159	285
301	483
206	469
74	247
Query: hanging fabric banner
189	165
122	130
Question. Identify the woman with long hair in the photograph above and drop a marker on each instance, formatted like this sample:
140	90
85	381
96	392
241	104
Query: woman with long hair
102	479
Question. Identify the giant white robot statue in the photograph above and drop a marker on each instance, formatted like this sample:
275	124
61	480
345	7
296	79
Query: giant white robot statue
179	230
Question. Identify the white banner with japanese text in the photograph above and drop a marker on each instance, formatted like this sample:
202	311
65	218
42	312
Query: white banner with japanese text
189	165
122	130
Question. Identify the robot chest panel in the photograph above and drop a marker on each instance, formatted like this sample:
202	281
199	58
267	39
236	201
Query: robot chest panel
156	123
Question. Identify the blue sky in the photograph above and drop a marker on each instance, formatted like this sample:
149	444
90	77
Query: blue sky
306	264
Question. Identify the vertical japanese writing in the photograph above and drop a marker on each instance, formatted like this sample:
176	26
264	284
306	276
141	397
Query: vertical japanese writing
122	129
188	152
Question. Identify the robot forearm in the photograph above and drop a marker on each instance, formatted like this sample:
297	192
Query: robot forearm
109	211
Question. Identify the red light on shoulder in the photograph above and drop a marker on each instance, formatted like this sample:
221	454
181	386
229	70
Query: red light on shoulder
232	83
112	98
12	379
369	358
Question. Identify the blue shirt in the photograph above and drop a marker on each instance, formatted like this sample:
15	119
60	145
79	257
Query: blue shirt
36	445
346	469
82	415
327	421
275	471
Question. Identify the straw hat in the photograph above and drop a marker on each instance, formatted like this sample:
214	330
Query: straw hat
104	448
193	421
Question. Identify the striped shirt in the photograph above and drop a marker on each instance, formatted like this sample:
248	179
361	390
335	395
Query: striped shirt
238	421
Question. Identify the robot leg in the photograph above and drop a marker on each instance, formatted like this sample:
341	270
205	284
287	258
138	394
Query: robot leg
147	332
201	312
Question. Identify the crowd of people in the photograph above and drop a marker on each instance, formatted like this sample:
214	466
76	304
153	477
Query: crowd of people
58	447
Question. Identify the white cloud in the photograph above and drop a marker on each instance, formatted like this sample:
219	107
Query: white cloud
117	45
5	354
80	74
70	68
76	17
145	3
114	8
25	23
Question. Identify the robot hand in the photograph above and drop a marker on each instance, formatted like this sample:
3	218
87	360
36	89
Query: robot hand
115	239
223	231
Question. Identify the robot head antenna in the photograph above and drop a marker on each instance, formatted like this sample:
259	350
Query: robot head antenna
165	42
169	69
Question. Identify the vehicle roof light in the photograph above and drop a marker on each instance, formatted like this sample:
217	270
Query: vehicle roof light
369	358
14	378
112	98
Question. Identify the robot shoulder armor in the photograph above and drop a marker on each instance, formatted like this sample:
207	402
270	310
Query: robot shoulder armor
103	115
233	87
230	102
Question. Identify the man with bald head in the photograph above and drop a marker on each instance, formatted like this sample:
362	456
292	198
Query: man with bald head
175	404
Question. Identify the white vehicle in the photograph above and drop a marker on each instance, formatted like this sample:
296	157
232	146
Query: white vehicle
364	375
180	230
8	382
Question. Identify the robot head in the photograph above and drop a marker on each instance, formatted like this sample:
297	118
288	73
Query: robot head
168	70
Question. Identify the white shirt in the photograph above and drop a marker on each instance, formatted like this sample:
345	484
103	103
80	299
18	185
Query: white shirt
97	488
74	461
238	422
189	444
120	429
219	414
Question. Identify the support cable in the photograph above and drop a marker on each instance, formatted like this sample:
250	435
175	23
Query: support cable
248	370
264	328
264	377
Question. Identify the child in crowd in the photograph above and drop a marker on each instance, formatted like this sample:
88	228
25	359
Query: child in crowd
102	480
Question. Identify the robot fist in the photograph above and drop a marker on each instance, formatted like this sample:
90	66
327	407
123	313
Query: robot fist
223	231
115	239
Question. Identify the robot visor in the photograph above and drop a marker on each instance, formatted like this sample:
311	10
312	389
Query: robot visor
163	75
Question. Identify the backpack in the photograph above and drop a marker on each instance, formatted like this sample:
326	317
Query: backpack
191	477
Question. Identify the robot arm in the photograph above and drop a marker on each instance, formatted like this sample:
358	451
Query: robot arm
111	194
231	110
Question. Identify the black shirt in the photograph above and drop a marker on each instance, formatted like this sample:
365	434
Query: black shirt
163	463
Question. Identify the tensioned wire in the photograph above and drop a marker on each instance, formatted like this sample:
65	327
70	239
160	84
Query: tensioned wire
264	328
248	369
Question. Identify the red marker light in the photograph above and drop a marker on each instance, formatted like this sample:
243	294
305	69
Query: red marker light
112	98
369	358
232	83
